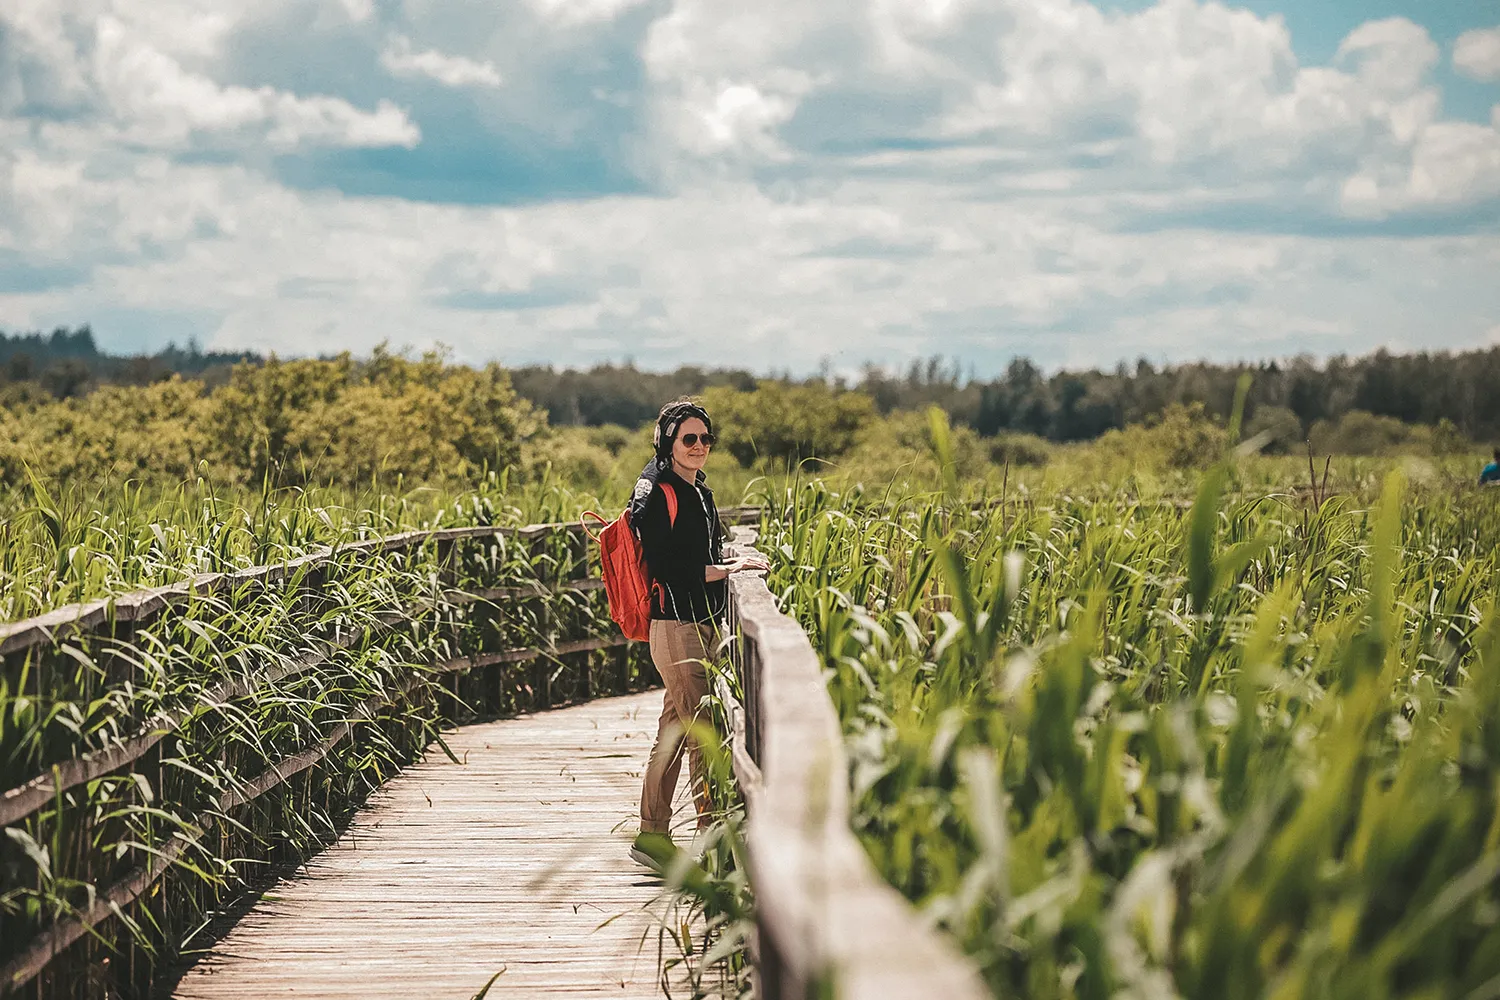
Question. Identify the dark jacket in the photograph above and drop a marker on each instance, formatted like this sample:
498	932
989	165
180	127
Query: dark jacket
677	552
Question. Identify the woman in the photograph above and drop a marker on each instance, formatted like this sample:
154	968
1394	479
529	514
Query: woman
685	557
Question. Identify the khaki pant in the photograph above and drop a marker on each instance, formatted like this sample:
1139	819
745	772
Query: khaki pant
677	649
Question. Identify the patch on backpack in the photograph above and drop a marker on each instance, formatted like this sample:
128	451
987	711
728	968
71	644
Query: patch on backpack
642	489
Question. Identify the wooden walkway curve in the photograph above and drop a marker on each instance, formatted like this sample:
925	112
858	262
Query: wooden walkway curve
516	859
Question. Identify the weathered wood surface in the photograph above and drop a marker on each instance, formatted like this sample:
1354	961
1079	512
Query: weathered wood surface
826	917
516	859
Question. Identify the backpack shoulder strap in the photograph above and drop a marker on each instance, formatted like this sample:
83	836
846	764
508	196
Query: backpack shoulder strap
669	492
584	523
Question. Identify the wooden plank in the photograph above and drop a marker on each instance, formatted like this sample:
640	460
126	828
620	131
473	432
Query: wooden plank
517	859
747	773
459	598
524	653
24	967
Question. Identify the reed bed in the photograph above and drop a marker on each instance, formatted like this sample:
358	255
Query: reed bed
1244	745
234	732
62	544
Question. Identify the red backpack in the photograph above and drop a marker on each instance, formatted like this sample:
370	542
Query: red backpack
626	581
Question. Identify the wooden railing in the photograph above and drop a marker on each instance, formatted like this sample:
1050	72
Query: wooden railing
828	924
825	917
482	674
141	605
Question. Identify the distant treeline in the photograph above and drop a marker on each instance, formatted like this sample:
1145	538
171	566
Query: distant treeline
1461	388
67	363
616	394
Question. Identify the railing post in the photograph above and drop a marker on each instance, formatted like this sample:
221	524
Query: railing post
621	657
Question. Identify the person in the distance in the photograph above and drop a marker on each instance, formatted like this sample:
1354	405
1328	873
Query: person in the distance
1491	474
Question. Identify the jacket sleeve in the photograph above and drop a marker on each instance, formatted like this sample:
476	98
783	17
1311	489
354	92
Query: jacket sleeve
665	559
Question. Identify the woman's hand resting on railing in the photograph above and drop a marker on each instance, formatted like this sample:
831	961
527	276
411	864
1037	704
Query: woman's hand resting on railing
718	571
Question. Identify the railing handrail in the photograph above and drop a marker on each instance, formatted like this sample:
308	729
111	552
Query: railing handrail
26	798
22	800
137	605
825	915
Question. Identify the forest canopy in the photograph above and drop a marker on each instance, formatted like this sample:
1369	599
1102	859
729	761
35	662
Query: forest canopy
71	411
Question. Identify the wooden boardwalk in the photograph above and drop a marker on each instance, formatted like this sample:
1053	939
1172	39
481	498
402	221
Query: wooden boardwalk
511	861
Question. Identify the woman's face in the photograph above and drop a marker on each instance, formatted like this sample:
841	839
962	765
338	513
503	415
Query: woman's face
690	460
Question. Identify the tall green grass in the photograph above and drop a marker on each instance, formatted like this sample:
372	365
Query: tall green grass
67	543
1247	746
258	674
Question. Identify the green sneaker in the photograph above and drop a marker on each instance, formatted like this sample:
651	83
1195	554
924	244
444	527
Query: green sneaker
653	850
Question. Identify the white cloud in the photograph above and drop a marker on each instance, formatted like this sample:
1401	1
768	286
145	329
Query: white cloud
40	63
732	117
158	102
449	70
1476	54
1454	163
1181	93
1391	56
124	67
569	13
358	10
724	274
1175	82
185	28
861	179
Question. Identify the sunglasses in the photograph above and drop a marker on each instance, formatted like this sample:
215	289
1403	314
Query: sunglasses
689	440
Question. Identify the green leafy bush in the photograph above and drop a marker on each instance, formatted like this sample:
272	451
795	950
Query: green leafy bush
781	424
570	455
1280	427
284	422
1019	449
1182	438
616	439
899	449
1361	433
156	430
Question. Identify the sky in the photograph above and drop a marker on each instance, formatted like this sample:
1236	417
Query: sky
780	186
